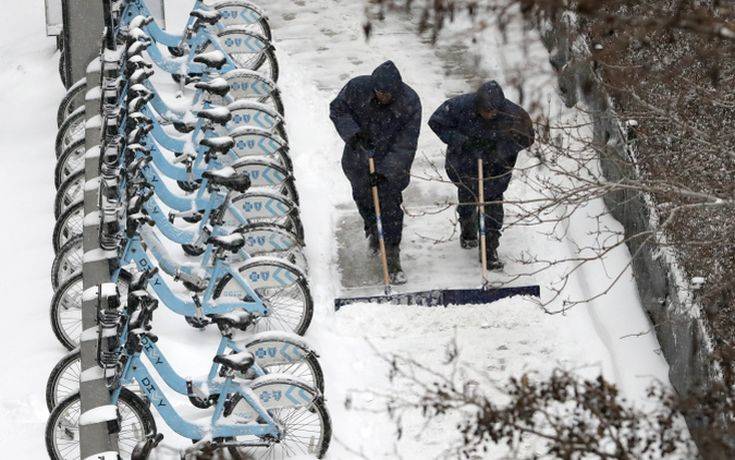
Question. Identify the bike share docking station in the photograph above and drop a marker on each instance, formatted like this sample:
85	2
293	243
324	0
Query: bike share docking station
77	26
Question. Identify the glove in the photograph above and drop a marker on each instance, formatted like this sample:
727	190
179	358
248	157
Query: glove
361	139
376	178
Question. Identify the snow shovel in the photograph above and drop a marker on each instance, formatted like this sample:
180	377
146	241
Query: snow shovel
439	297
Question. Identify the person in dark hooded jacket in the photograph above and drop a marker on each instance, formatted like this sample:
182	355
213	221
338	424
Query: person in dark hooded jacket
379	114
482	125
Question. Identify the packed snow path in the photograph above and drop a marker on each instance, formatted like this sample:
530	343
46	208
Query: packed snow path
320	46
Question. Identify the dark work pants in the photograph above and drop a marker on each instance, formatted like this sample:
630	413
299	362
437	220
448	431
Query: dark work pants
390	207
495	183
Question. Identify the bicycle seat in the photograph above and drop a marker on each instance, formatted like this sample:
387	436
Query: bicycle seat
139	89
209	17
238	320
187	124
138	118
140	75
232	242
227	177
219	145
240	362
139	62
219	115
215	59
217	86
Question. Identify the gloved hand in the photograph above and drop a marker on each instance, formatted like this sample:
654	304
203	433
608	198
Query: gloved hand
362	140
375	179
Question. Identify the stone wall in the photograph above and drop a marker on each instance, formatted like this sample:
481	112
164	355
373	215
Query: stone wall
663	289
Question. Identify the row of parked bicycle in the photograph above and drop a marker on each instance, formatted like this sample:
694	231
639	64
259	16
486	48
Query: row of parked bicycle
198	211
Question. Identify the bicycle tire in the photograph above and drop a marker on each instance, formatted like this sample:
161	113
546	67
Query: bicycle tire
277	102
291	219
267	56
281	128
57	373
60	371
64	230
60	331
300	282
317	407
262	22
70	161
315	368
65	195
72	100
62	262
135	404
65	336
62	68
66	134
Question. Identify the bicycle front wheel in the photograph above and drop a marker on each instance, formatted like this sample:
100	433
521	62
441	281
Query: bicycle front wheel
66	309
68	225
73	99
70	130
70	191
64	380
62	428
68	261
70	162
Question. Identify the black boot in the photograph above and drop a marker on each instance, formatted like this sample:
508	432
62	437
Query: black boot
468	232
393	254
493	261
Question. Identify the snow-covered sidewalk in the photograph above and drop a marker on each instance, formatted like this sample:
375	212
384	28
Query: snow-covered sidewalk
29	95
320	46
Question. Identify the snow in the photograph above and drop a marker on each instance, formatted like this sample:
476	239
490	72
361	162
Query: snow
316	58
98	415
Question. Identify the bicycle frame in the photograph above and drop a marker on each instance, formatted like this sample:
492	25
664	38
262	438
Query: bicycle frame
135	252
183	386
135	370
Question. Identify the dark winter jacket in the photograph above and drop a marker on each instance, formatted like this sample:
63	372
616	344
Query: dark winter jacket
469	136
392	128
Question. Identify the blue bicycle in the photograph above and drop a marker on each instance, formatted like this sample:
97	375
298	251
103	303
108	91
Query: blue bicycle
267	417
273	290
275	353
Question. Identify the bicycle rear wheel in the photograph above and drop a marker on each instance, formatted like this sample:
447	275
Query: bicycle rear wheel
280	286
62	428
243	14
307	429
258	57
